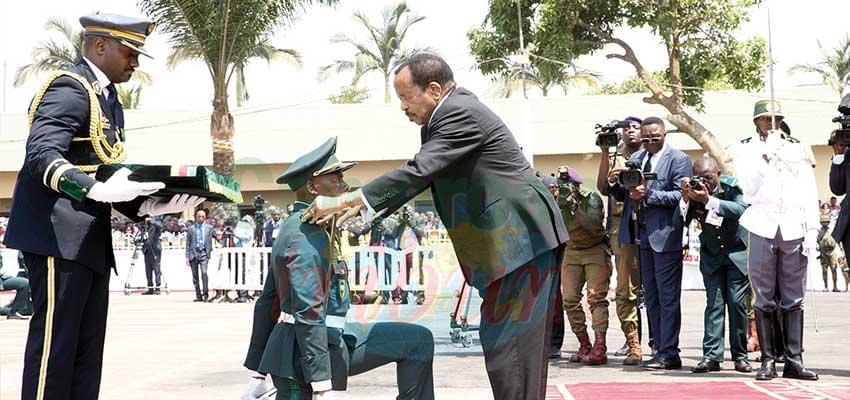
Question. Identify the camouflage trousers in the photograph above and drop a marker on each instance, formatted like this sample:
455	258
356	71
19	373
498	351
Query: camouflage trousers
590	267
628	283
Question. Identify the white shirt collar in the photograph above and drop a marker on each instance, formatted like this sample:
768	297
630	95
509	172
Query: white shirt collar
654	157
442	99
101	77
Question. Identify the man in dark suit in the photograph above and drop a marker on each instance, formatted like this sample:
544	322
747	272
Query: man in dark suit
152	249
60	217
653	203
839	181
270	229
504	224
199	238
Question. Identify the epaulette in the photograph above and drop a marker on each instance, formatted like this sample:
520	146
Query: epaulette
727	180
747	140
791	139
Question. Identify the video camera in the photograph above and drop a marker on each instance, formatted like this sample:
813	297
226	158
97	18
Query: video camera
607	135
632	176
842	136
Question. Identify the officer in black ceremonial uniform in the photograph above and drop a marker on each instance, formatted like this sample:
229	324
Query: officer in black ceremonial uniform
60	217
311	349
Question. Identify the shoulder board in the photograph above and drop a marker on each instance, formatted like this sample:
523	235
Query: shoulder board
728	180
747	140
792	139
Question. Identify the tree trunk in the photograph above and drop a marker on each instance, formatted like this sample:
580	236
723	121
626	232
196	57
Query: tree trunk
221	131
688	125
387	89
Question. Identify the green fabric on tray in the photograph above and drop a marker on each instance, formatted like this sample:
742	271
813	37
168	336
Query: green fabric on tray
178	179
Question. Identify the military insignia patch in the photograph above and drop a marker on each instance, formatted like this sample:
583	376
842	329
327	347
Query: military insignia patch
104	122
96	87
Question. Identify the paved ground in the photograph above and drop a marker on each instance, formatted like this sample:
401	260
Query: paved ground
166	347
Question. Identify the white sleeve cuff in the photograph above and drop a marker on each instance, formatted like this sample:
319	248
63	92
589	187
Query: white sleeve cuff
370	212
321	386
713	204
838	159
683	207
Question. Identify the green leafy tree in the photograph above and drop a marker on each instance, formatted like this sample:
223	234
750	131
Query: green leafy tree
350	95
263	51
697	35
224	34
382	52
130	97
52	54
834	66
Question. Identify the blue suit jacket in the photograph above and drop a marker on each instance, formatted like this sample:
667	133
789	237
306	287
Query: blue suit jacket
662	199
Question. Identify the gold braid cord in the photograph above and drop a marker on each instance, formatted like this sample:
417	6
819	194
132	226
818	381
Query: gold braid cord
108	154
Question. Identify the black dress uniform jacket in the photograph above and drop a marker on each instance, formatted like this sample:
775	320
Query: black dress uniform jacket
45	220
497	212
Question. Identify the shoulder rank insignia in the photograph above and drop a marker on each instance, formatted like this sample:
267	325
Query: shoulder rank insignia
747	140
96	86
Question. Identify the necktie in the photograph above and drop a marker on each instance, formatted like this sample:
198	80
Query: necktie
648	166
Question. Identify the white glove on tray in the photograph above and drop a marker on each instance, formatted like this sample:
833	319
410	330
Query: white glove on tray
118	188
158	206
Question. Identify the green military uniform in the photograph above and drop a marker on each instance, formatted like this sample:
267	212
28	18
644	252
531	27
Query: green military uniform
587	260
828	256
625	259
309	345
723	263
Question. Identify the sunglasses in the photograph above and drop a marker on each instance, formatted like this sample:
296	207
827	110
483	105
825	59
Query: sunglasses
650	140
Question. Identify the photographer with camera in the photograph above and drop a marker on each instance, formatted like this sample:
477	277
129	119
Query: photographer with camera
839	179
778	181
625	254
717	203
650	187
587	260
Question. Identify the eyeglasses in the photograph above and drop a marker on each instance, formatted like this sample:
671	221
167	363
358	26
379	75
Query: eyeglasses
650	140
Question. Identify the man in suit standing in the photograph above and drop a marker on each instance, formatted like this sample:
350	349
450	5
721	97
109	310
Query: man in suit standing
198	250
660	240
270	229
504	225
60	217
152	249
717	203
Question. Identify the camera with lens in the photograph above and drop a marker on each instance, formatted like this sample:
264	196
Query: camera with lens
842	136
697	183
632	176
607	135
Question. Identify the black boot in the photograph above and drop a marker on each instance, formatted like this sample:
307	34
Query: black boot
793	321
764	328
778	336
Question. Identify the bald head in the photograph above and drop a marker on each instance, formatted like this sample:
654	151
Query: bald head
706	164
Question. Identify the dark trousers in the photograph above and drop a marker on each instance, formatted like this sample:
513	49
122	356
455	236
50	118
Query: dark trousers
199	275
516	325
410	346
64	352
661	275
725	288
21	303
777	270
558	323
152	267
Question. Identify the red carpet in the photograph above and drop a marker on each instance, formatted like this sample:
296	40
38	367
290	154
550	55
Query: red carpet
778	389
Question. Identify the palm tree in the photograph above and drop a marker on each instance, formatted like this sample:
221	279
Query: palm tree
224	34
130	98
263	51
834	66
384	50
51	55
516	78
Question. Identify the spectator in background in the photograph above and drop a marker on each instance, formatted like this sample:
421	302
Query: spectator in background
270	229
152	249
198	250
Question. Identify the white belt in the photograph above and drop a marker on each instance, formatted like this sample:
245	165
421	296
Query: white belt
331	321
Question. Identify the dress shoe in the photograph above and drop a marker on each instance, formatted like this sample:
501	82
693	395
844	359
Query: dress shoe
16	315
623	350
156	291
554	353
743	366
198	300
148	292
706	365
663	363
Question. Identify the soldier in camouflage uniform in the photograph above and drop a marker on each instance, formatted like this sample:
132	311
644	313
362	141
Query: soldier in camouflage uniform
587	261
828	254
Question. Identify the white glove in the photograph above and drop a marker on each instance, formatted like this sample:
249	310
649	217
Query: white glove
118	188
810	243
326	395
158	206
